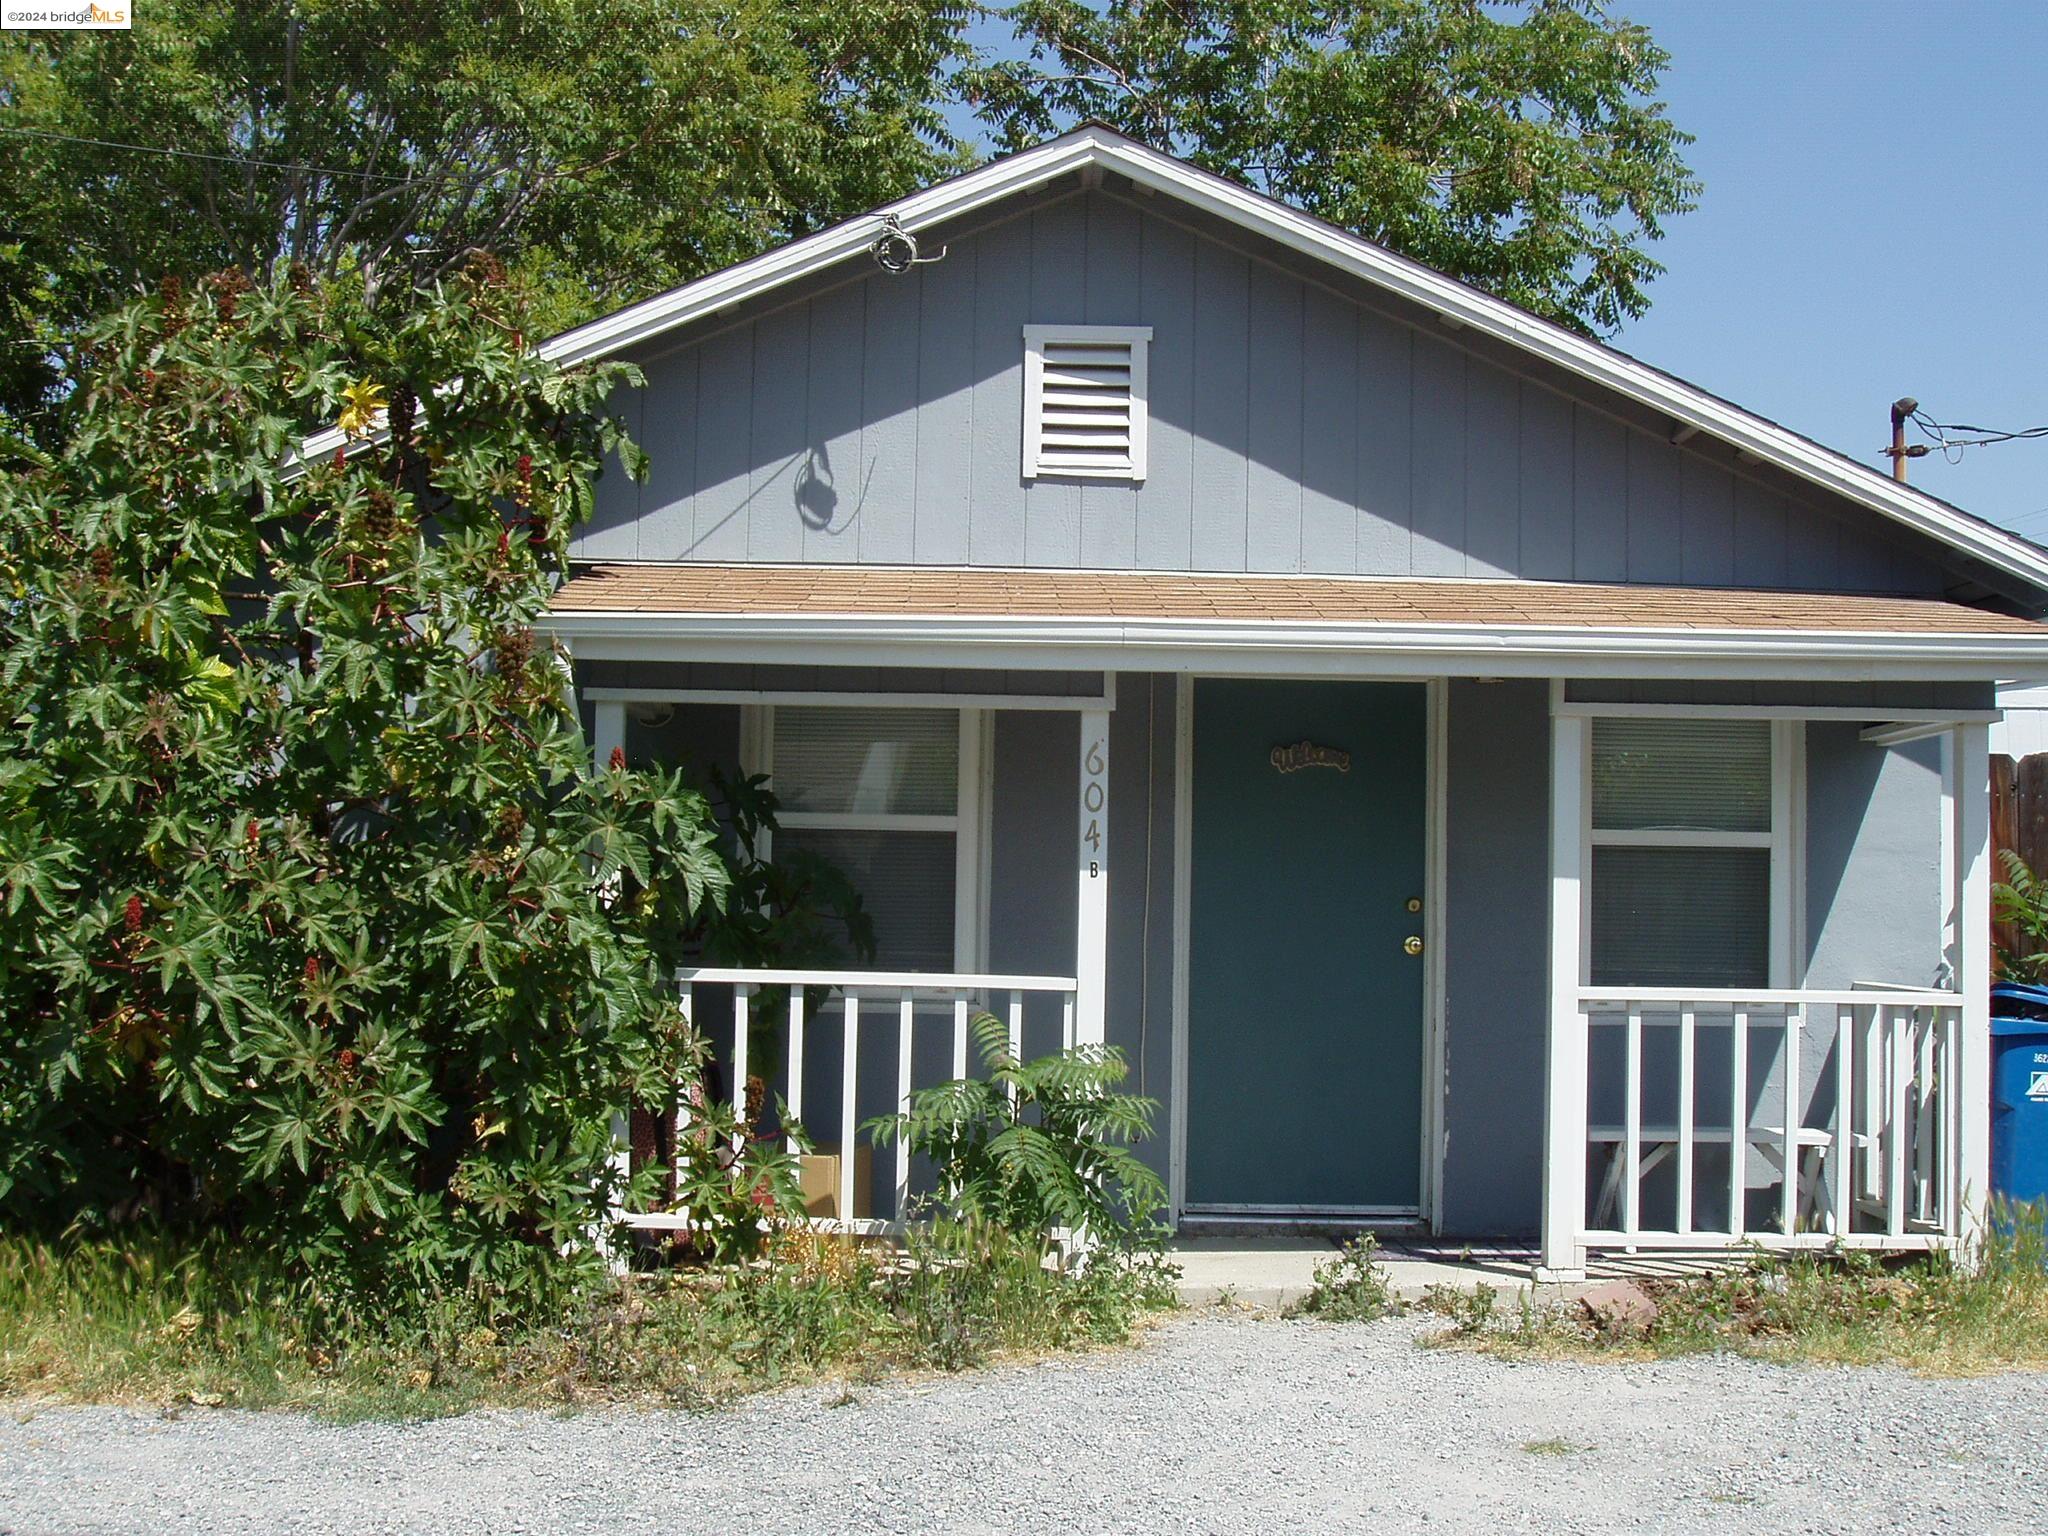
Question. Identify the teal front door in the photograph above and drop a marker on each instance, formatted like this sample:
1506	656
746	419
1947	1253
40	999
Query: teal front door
1305	970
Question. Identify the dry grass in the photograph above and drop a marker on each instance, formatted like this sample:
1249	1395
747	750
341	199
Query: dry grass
177	1324
1928	1315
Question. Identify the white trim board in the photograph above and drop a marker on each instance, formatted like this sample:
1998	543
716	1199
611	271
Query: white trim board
1280	647
827	696
1099	148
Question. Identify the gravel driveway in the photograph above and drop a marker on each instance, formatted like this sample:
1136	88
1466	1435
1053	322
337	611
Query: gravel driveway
1217	1424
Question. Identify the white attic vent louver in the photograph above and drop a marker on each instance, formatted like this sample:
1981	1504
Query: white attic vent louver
1084	401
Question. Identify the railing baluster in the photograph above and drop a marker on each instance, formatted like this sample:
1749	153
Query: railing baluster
959	1037
793	1098
740	998
848	1063
906	1012
680	1125
1895	1145
1738	1119
1873	1099
1067	1023
1923	1115
1793	1120
1016	1031
1687	1032
1632	1127
1949	1021
1841	1159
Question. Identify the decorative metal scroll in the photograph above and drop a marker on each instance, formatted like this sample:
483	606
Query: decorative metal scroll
1306	754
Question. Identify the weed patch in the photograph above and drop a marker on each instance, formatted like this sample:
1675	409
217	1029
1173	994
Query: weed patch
185	1325
1925	1313
1351	1288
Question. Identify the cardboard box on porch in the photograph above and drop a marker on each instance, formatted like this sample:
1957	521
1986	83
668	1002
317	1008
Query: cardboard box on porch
818	1181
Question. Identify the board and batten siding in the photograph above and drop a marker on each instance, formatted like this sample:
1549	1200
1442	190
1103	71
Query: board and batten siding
1292	430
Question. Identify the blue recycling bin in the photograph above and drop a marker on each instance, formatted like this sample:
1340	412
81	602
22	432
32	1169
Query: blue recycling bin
2019	1091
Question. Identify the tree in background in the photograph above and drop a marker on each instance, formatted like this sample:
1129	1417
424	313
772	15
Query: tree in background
603	149
315	921
1517	145
606	149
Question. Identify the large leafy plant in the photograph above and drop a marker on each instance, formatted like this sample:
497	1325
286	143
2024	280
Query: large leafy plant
2019	903
1037	1146
314	919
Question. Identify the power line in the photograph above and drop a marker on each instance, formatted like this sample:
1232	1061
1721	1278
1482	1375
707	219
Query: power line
194	154
1949	436
769	210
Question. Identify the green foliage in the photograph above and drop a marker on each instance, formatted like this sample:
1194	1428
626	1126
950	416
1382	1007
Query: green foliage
603	148
1928	1312
736	1184
1351	1288
1518	146
1035	1146
151	1319
314	922
2020	902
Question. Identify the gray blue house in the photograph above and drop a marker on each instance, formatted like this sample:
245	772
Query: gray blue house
1481	781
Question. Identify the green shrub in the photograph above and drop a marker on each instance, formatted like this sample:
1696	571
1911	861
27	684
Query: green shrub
316	925
1037	1146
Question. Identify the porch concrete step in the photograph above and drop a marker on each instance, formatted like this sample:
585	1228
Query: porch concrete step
1271	1272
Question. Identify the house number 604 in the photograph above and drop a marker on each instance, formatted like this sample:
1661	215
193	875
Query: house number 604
1093	798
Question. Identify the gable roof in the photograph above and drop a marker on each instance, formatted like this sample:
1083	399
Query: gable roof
1096	146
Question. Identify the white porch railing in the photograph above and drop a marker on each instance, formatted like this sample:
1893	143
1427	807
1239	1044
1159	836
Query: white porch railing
1861	1139
917	1001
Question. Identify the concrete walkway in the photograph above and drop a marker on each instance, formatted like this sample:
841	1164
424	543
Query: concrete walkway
1273	1272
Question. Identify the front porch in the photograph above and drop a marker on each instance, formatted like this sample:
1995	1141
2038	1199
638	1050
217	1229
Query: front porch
1626	1138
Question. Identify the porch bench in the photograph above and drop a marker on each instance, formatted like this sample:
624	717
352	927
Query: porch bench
1660	1143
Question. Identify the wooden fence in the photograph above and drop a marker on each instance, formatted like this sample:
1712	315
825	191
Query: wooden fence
2019	821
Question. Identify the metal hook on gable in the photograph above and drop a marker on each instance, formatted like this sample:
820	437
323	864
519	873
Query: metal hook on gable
895	251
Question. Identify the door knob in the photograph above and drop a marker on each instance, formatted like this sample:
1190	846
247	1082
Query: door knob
1412	945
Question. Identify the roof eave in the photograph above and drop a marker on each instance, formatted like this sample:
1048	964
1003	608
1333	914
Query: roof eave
1277	646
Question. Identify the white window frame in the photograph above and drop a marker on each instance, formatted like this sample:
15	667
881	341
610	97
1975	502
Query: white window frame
1036	338
1785	841
967	823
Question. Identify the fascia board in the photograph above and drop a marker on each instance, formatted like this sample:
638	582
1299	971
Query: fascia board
1523	650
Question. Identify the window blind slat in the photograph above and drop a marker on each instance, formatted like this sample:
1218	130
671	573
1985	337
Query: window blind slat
1681	917
905	880
867	761
1692	775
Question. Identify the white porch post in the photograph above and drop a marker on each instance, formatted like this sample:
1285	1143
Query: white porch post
1091	961
608	730
1972	884
1564	1118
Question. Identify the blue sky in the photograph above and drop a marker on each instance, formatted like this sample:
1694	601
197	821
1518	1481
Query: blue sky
1875	224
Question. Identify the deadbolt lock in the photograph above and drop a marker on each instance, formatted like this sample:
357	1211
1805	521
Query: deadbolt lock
1412	945
1413	903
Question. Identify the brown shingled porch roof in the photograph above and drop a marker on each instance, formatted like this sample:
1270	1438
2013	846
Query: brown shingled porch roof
900	592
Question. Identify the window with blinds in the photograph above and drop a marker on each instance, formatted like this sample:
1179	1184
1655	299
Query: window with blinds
1682	833
850	761
876	792
1084	401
